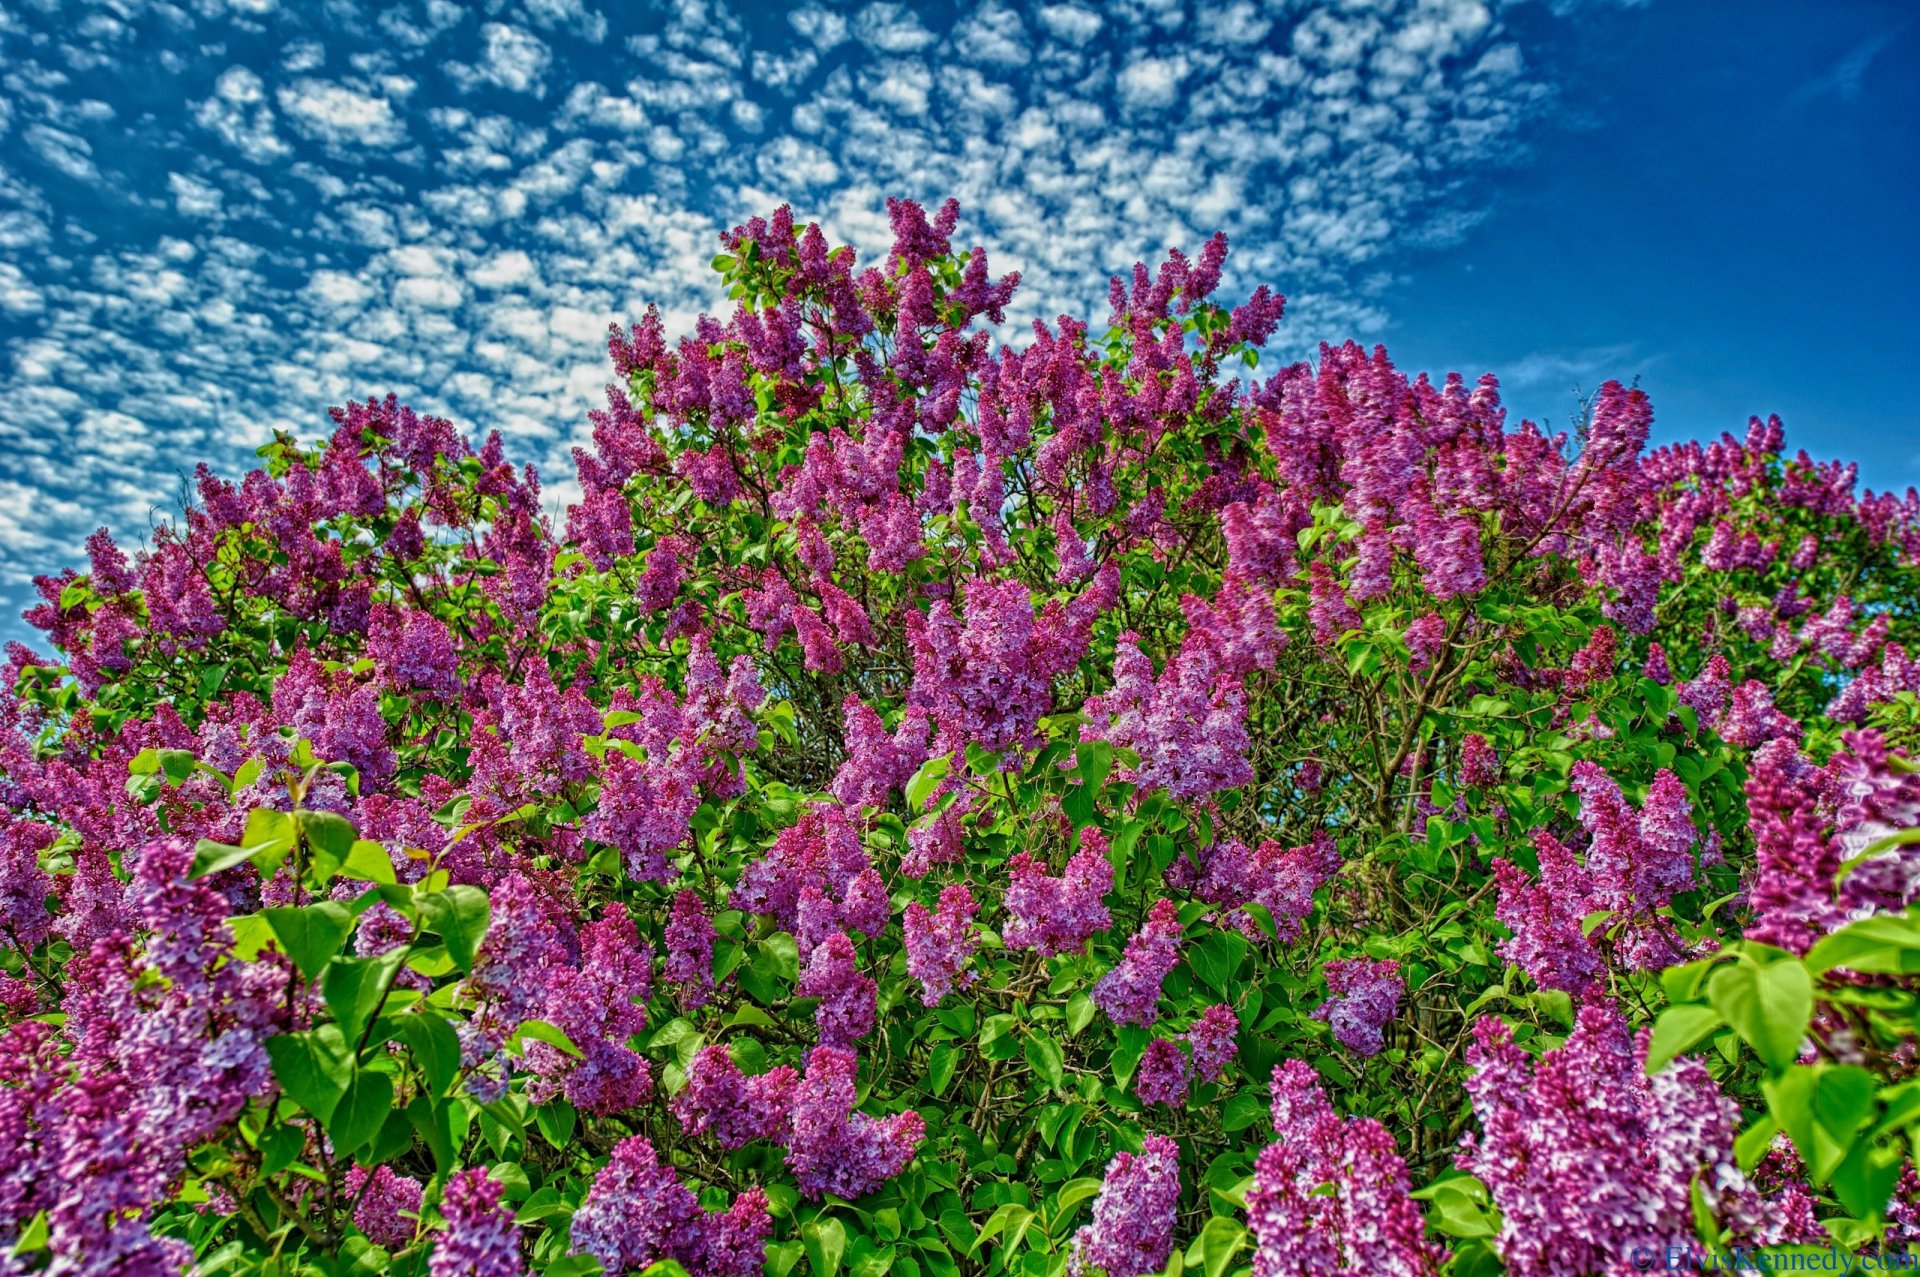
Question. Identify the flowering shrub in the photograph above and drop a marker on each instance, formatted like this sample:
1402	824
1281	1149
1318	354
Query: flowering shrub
951	804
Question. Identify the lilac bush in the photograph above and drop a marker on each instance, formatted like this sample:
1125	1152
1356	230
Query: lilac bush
951	799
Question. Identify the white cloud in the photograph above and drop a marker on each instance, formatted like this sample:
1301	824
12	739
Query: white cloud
513	59
1149	82
340	116
382	231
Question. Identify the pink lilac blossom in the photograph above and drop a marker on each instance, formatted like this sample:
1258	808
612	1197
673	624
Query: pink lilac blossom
822	850
834	1149
1130	992
689	937
941	942
878	763
732	1108
481	1239
389	1205
1187	725
1331	1194
1280	879
1365	996
1211	1040
638	1212
1586	1158
1163	1074
847	998
1479	765
598	1004
1426	638
1131	1232
1546	918
1055	915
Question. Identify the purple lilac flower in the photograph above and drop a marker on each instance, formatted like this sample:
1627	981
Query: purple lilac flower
1331	1194
941	942
1365	996
1131	1232
836	1150
1130	992
1211	1040
1546	918
822	850
1479	765
1426	637
848	1003
1055	915
1656	667
1163	1074
389	1205
598	1005
877	763
481	1239
1583	1156
1280	879
636	1212
689	936
732	1108
1187	726
24	886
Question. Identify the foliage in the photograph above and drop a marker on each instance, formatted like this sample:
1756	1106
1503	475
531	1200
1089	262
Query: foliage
950	806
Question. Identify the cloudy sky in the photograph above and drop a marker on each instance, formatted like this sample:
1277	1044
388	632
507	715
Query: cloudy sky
218	218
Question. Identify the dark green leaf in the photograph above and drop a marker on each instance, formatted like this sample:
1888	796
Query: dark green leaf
435	1046
311	934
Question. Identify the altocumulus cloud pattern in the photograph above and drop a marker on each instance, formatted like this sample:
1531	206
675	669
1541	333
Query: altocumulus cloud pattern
217	219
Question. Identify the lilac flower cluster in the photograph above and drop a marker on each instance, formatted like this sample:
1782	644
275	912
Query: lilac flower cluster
1187	725
481	1239
1331	1194
389	1205
1586	1158
1055	915
1365	995
941	942
834	1149
1280	879
847	997
1130	993
689	937
732	1108
638	1212
1131	1232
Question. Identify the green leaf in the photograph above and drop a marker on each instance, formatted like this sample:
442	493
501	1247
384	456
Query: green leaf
313	1068
369	862
542	1031
1221	1238
353	988
311	934
1079	1013
1884	945
459	916
1678	1030
924	781
431	1120
941	1062
266	841
1767	1006
1043	1054
1010	1220
1865	1178
177	764
1216	959
280	1147
435	1046
825	1241
556	1120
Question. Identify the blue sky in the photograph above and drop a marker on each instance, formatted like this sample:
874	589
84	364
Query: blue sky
219	218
